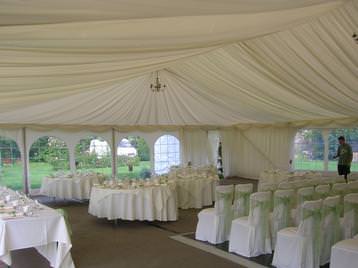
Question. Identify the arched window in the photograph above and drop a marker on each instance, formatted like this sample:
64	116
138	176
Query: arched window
351	136
309	150
166	153
133	158
93	154
47	155
10	164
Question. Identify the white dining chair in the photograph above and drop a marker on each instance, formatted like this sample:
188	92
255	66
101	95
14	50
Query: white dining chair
250	236
214	223
281	215
299	247
350	218
330	228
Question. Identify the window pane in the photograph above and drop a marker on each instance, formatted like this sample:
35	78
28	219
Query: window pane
309	150
166	153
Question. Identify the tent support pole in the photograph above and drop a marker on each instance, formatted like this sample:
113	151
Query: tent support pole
114	154
25	162
325	135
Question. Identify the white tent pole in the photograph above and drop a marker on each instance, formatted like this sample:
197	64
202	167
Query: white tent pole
114	154
325	134
25	162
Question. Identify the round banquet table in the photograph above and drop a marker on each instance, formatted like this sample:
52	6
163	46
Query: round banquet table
68	188
195	191
157	202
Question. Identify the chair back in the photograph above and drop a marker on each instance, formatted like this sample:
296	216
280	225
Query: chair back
260	203
259	219
224	196
267	187
350	219
331	229
281	216
303	195
322	191
285	185
339	189
353	187
310	231
241	204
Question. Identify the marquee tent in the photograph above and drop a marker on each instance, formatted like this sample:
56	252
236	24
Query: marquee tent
255	70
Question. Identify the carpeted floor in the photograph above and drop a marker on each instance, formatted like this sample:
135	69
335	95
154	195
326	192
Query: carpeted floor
100	243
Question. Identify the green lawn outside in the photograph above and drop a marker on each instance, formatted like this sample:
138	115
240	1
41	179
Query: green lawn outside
11	175
319	165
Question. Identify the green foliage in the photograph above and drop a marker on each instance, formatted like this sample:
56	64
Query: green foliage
124	160
90	160
142	147
50	150
9	152
145	173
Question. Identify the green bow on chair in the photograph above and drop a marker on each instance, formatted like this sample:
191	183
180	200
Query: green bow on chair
287	202
264	220
245	197
348	206
316	214
336	211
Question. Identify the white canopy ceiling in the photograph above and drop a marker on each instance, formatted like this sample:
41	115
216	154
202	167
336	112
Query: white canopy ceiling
91	62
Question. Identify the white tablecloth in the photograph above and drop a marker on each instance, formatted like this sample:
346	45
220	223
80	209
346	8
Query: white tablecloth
145	203
46	231
195	191
68	188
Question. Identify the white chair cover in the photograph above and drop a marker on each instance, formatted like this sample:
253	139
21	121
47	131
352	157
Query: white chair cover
281	216
267	187
214	223
350	220
353	187
339	189
322	191
331	230
286	185
345	254
300	247
250	236
303	195
241	204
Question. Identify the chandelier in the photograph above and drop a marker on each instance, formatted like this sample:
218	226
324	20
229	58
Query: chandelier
157	86
355	37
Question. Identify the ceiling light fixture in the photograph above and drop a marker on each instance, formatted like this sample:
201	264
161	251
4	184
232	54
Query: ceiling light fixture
157	86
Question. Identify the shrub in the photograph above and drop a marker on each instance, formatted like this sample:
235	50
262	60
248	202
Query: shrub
145	173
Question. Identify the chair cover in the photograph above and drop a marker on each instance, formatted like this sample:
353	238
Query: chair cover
300	247
303	194
214	223
322	191
250	236
281	216
241	204
267	187
350	220
286	185
353	187
331	230
339	189
345	254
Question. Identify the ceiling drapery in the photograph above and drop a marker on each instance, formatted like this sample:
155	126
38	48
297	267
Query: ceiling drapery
225	63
